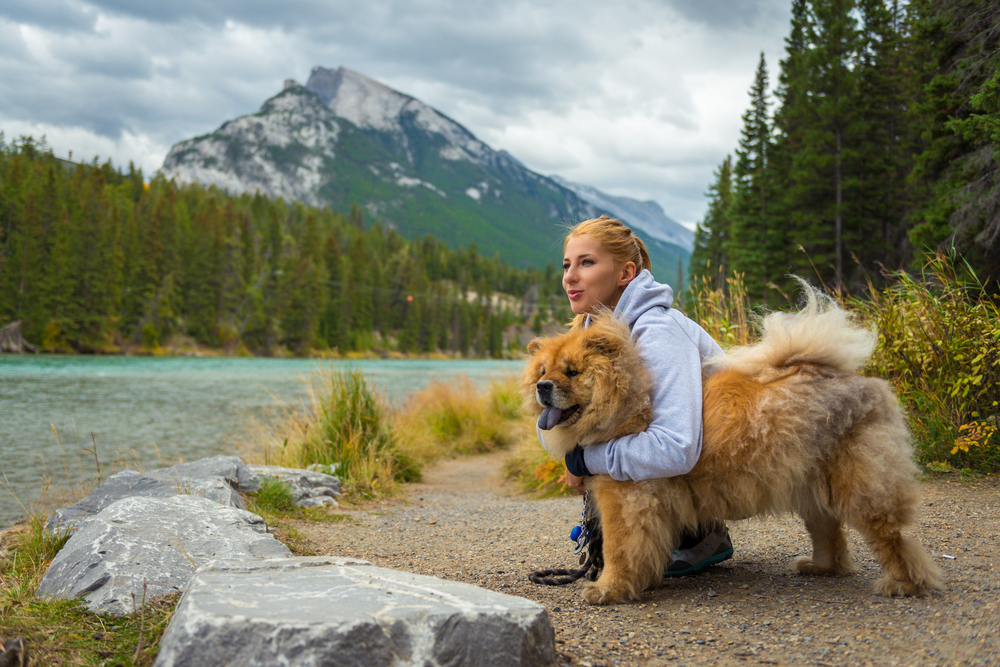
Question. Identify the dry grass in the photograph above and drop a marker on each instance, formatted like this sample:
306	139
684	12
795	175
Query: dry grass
454	417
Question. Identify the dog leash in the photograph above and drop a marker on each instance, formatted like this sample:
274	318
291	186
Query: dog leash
588	536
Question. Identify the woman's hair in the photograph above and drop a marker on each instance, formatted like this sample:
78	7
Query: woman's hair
614	237
617	239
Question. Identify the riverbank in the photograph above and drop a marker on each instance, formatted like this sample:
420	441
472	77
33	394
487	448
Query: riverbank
465	523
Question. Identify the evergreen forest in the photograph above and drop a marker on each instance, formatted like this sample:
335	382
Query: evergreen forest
97	259
878	148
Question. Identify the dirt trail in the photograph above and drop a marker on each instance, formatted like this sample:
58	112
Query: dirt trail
464	523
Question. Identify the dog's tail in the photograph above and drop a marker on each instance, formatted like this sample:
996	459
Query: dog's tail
822	333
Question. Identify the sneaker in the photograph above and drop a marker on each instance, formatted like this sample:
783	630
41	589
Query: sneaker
715	548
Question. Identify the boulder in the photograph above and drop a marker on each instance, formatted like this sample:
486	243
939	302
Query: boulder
216	478
332	611
148	546
310	488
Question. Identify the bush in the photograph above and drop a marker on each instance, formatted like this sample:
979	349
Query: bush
940	348
274	495
535	471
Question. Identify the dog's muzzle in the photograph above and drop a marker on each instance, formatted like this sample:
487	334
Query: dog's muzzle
543	393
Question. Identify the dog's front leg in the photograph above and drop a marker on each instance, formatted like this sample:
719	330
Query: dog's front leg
635	549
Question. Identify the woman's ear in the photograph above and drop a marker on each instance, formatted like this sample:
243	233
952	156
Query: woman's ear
628	273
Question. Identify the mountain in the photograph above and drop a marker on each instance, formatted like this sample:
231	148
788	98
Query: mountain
346	139
645	216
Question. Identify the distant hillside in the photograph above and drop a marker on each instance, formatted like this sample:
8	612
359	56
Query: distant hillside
345	139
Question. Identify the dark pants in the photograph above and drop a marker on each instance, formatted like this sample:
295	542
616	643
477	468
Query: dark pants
691	538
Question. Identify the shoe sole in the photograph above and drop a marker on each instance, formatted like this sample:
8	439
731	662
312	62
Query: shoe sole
711	560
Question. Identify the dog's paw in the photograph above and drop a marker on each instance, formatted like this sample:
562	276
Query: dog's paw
840	568
595	592
806	565
897	588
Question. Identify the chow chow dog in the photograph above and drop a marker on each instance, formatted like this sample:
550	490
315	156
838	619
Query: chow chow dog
789	426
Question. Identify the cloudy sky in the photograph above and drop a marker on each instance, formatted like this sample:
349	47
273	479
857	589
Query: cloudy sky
640	98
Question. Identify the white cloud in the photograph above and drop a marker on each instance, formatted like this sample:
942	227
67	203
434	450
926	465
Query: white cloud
641	98
82	145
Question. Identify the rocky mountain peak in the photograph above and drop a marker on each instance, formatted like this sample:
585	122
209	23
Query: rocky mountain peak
375	106
354	97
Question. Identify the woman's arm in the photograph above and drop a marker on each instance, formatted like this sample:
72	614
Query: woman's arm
673	348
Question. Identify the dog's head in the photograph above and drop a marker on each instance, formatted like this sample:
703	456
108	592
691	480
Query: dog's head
580	383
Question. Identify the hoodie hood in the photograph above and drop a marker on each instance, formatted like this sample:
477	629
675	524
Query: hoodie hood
642	294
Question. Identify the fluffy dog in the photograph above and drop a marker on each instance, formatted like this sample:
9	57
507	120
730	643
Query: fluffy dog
789	426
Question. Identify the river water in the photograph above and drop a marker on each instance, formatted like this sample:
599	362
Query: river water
148	412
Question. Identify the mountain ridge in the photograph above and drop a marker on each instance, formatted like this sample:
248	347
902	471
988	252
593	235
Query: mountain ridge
344	138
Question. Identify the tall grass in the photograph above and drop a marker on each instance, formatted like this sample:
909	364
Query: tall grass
347	427
372	447
939	346
726	314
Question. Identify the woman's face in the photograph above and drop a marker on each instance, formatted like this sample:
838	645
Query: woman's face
590	276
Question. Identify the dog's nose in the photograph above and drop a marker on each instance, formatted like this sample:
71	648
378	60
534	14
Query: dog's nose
544	391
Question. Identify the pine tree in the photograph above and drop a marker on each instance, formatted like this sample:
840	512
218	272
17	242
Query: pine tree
884	141
710	259
956	175
756	244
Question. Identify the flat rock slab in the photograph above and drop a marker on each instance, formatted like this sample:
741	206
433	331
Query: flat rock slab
308	612
145	547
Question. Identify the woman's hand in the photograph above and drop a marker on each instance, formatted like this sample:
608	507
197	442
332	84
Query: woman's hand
574	482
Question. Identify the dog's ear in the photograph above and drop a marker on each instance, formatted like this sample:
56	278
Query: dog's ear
534	346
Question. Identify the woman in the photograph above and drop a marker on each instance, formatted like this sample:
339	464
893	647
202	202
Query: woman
605	264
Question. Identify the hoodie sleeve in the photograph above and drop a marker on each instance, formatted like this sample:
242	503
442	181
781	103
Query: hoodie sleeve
673	347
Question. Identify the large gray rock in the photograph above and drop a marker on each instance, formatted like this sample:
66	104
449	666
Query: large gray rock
308	612
156	542
216	478
230	468
310	488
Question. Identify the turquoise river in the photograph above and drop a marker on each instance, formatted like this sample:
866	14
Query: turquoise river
146	412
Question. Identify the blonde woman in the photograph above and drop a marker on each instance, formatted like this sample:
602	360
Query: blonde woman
605	264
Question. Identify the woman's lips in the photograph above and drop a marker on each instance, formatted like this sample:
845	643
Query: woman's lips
574	294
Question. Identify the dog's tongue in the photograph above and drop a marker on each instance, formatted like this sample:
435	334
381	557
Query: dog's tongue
549	418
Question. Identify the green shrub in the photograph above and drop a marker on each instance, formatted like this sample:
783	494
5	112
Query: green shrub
940	348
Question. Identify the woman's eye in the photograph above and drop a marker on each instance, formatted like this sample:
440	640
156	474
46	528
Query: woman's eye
587	262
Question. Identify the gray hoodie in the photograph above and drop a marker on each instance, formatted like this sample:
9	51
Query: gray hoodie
674	348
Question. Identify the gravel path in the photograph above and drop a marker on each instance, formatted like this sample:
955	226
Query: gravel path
464	523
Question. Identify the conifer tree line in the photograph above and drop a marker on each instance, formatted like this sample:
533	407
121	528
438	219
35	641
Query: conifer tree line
94	259
879	145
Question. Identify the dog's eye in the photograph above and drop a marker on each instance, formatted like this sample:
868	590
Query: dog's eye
571	373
